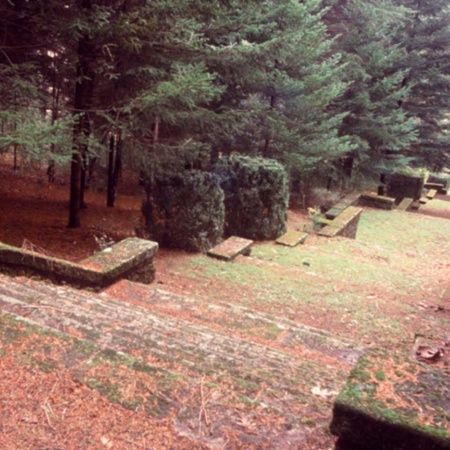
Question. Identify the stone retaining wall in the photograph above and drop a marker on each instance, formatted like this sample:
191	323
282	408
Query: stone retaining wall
131	259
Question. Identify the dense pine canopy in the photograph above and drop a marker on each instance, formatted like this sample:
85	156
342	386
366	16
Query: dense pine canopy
330	88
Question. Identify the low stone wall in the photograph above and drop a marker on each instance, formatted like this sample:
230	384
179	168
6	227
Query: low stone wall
349	200
393	403
345	224
377	201
131	259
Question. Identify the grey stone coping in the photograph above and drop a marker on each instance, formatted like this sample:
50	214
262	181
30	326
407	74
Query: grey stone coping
231	248
392	402
292	238
131	258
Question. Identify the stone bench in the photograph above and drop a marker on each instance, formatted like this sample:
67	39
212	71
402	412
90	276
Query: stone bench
431	194
231	248
345	224
377	201
131	259
405	204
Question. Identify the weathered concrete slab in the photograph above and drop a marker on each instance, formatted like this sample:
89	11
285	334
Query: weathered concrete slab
292	238
333	212
377	201
349	200
346	224
441	188
415	206
431	194
423	200
391	402
405	204
231	248
131	258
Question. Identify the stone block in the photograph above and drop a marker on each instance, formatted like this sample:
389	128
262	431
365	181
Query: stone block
377	201
405	204
392	402
346	224
441	188
131	258
292	238
231	248
431	194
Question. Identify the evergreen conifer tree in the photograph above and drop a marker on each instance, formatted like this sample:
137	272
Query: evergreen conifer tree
426	37
377	122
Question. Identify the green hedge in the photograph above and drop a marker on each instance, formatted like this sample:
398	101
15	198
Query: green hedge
256	196
185	210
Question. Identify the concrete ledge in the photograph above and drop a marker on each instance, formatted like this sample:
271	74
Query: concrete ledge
292	238
393	403
349	200
431	194
131	258
231	248
441	188
405	204
377	201
346	224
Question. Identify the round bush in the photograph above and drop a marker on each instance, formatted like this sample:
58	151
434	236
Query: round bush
185	210
256	196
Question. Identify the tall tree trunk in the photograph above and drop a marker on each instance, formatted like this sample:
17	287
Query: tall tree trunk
110	191
82	103
114	168
267	141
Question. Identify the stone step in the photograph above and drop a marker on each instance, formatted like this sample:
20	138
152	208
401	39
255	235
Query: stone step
283	332
113	324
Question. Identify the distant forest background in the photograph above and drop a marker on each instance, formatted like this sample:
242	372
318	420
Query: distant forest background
339	92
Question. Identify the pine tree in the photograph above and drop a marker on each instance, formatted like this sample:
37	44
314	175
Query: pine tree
426	37
377	123
281	81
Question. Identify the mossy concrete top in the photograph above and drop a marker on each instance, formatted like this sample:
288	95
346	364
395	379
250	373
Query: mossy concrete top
99	270
292	238
231	248
391	402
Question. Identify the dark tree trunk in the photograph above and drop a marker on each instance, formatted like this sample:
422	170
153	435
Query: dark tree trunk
82	103
267	141
114	168
110	191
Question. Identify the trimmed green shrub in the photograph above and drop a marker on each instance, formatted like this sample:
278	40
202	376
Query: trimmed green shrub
256	196
185	210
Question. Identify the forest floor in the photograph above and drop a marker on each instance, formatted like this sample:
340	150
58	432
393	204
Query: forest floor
377	290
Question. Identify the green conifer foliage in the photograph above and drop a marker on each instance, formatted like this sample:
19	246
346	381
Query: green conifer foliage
426	37
377	123
281	80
